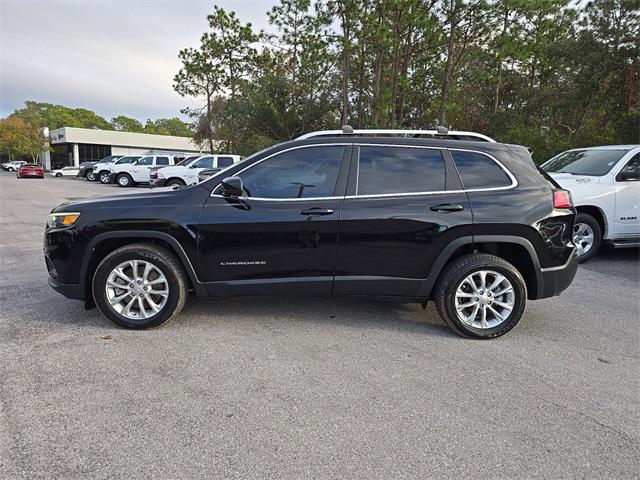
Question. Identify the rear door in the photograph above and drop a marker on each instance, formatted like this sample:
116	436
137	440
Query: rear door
404	205
280	237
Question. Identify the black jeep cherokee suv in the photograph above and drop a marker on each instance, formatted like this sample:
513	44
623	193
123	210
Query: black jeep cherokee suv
473	225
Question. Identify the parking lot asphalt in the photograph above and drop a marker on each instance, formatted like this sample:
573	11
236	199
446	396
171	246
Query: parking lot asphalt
309	388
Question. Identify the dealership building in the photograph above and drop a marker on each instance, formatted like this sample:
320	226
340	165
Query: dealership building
72	146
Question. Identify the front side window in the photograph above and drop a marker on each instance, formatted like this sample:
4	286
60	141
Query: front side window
125	160
162	160
584	162
299	173
145	161
479	171
204	162
394	170
631	171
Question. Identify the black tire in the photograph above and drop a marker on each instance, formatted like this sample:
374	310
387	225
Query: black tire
10	169
103	177
585	218
58	174
171	268
455	273
90	176
124	180
175	181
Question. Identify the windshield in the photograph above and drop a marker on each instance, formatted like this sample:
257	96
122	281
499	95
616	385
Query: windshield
584	162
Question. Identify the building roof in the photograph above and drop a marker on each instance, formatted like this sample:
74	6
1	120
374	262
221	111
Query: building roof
124	139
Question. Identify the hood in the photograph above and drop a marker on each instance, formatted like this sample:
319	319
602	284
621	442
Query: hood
568	180
157	197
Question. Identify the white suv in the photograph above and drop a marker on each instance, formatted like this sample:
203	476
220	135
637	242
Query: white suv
138	172
605	185
187	173
102	169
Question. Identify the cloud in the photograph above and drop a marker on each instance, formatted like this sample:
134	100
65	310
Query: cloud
113	57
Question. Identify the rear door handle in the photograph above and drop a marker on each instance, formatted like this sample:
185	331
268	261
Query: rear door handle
317	211
446	207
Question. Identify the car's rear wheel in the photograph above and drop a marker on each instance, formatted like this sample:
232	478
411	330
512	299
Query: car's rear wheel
124	180
58	174
104	177
90	176
587	236
140	286
175	181
480	296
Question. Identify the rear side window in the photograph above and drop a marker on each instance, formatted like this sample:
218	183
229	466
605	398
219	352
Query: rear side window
389	170
224	162
162	160
479	171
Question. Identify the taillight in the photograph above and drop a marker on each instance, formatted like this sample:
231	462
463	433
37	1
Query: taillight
562	199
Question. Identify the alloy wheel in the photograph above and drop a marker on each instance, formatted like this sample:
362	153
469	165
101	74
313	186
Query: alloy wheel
583	238
484	299
137	289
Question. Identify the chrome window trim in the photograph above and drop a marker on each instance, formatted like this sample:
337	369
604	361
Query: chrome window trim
297	147
514	181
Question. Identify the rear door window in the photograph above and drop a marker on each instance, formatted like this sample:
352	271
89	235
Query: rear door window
399	170
224	162
479	171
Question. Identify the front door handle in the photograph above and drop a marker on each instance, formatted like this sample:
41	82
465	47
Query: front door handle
446	207
317	211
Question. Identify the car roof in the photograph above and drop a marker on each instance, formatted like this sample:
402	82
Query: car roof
607	147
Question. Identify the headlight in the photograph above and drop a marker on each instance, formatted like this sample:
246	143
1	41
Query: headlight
62	219
159	175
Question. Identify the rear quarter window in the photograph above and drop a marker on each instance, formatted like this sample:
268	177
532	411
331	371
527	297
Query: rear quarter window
479	171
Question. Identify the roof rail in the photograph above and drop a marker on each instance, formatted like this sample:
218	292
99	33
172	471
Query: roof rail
438	132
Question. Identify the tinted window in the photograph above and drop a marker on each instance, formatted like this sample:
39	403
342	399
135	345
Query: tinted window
145	161
632	167
399	170
224	162
299	173
162	161
479	171
584	162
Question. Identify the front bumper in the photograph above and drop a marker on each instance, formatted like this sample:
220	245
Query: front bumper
158	182
556	280
69	290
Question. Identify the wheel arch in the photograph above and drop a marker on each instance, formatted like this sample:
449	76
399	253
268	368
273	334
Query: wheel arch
597	213
516	250
103	244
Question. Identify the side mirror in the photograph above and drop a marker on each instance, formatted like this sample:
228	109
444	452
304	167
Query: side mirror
232	187
629	175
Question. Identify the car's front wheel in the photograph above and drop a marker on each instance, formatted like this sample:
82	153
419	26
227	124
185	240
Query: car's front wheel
587	236
140	286
90	176
58	174
124	180
103	177
480	296
174	182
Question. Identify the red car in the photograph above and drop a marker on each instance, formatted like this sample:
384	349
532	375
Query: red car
30	170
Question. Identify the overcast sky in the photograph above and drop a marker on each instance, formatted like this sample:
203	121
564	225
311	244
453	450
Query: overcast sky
112	57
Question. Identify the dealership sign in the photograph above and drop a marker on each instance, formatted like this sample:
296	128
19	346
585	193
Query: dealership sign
57	136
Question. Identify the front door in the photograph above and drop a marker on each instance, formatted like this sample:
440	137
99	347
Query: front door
397	217
627	221
280	237
140	171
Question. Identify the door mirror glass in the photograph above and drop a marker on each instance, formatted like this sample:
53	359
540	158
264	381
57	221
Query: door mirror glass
232	187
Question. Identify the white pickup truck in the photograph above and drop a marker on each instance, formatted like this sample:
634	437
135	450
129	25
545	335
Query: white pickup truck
102	169
187	173
128	175
605	185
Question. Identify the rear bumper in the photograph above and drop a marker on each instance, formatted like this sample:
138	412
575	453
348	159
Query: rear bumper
556	280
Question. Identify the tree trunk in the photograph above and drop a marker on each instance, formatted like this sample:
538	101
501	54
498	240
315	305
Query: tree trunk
448	71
